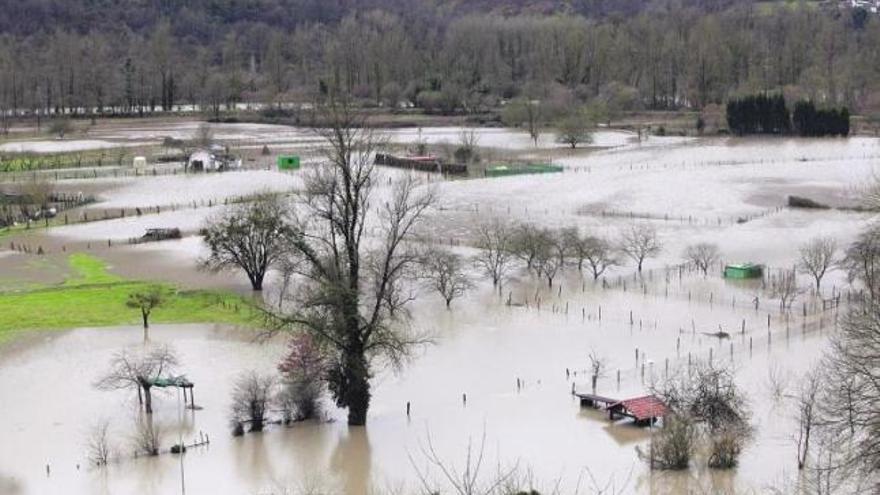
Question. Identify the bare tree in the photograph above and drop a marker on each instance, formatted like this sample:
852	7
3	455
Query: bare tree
576	245
139	370
146	437
527	113
251	399
852	391
706	393
640	242
467	151
783	286
444	273
252	237
817	257
599	254
807	409
550	255
672	446
525	242
862	261
495	242
98	445
702	255
469	479
146	301
343	300
598	365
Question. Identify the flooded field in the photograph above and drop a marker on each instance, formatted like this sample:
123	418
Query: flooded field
499	370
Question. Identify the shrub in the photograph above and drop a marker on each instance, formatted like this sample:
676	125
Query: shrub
672	446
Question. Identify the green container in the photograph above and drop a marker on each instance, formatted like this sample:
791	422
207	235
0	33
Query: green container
288	163
743	271
531	168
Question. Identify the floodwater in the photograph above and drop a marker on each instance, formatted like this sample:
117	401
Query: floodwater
690	190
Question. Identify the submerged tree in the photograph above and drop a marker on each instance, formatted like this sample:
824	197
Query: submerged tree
252	237
444	272
600	255
817	257
343	301
139	370
495	242
304	370
702	255
251	399
852	392
640	242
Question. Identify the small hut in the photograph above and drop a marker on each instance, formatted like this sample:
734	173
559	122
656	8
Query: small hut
743	271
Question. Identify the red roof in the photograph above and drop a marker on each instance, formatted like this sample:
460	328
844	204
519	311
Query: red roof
643	408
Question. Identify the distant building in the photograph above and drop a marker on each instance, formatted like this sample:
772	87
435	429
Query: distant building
213	160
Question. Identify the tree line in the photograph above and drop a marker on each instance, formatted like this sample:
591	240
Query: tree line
763	114
442	61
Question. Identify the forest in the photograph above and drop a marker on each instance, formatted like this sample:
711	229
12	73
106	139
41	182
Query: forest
111	57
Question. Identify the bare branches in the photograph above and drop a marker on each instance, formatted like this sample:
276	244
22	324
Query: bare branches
783	286
817	257
98	449
138	370
352	299
640	242
444	273
702	255
495	242
468	479
251	399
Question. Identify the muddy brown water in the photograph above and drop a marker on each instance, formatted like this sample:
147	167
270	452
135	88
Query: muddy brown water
481	347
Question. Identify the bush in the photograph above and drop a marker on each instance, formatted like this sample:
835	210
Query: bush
304	369
725	448
672	446
251	400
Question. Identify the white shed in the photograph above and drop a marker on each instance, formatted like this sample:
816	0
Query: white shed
140	162
202	161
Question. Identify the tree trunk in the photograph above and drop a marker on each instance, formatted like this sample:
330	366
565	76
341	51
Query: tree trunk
148	398
146	316
357	393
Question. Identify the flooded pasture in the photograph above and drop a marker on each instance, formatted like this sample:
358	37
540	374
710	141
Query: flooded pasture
516	363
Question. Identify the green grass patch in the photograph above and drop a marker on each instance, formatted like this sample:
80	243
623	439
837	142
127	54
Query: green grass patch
92	297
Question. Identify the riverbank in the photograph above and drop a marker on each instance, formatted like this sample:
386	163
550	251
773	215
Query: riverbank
94	297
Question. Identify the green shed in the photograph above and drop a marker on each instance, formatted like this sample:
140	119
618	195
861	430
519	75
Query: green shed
743	271
521	169
288	162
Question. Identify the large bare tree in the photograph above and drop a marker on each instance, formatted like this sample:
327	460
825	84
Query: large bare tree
702	255
253	237
444	272
817	257
600	255
346	277
139	370
640	242
495	242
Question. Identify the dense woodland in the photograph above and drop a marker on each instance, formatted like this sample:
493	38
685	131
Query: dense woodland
113	56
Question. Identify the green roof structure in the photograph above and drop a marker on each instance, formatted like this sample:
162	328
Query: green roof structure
530	168
288	162
743	271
